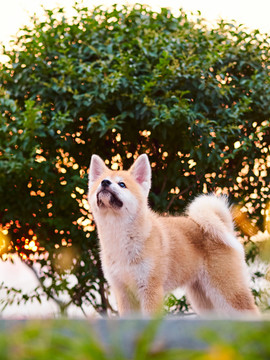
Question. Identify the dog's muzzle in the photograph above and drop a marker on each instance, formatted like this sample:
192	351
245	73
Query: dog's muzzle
105	195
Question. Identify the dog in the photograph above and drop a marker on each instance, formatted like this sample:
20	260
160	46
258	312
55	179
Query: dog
145	255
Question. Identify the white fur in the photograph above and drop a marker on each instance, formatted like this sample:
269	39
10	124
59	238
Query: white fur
231	240
213	215
121	244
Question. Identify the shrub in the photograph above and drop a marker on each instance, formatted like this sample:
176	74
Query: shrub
121	82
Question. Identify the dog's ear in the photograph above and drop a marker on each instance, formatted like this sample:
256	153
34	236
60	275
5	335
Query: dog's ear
97	167
141	172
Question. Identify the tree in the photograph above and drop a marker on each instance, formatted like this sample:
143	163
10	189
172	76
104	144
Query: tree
118	83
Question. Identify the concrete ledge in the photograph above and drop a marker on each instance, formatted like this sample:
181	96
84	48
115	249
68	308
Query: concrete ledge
173	333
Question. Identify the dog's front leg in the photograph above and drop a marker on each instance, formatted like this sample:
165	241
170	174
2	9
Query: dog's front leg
127	303
151	298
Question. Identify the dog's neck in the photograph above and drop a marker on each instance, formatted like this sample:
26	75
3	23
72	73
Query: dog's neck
118	232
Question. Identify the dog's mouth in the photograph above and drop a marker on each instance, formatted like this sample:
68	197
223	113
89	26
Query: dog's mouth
106	197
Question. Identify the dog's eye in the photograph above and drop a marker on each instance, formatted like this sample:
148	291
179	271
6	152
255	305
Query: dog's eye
122	184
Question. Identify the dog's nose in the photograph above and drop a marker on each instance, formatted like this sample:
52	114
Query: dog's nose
105	183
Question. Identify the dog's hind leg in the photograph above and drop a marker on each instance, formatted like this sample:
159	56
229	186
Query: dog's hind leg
225	283
198	299
231	298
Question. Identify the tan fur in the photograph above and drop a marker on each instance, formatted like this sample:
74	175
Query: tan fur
145	255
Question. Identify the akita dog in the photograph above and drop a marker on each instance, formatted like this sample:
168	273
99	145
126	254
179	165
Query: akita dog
145	255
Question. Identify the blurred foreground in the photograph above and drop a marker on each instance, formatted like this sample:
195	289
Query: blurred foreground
135	339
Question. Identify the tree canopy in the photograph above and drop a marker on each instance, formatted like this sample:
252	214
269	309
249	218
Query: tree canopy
118	83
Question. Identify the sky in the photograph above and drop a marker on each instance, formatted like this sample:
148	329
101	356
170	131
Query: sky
14	14
254	14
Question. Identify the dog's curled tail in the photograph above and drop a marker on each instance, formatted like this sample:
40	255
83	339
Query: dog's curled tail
213	215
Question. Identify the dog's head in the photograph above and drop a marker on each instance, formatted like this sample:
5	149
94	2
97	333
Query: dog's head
118	191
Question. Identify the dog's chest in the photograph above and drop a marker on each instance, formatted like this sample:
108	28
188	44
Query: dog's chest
132	275
122	260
